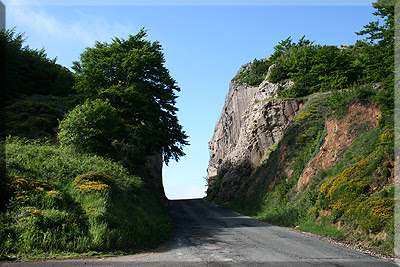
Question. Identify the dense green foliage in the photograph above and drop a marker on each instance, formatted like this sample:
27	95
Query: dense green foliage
63	201
94	126
28	76
131	75
31	119
313	68
256	74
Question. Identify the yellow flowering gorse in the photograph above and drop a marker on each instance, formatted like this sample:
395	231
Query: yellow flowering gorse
92	181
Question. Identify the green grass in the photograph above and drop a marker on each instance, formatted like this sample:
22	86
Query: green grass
53	211
322	227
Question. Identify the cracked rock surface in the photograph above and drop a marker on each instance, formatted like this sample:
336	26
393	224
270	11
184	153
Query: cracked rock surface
252	121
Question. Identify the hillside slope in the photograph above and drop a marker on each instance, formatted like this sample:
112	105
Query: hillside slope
322	163
98	195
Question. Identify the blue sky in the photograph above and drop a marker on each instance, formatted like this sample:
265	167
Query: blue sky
205	42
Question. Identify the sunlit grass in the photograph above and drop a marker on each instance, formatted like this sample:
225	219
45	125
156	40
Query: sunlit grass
63	202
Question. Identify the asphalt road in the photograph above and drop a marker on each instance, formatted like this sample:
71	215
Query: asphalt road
207	235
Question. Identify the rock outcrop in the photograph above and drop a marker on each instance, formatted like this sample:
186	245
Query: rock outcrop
252	121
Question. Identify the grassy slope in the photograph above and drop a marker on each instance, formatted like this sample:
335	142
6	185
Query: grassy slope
52	212
352	199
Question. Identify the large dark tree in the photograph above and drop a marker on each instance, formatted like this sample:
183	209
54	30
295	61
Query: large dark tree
131	75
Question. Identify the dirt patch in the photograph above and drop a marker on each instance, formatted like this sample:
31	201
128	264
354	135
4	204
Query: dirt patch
340	135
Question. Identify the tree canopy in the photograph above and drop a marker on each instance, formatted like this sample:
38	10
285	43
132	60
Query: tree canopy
382	33
131	75
312	67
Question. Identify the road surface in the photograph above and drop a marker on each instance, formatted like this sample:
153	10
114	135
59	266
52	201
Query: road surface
207	235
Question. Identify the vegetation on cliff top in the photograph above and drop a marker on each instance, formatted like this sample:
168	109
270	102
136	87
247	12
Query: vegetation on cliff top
320	68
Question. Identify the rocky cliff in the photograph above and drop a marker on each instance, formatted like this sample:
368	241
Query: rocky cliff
252	122
324	161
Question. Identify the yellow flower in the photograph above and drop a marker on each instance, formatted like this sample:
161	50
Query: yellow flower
92	181
53	192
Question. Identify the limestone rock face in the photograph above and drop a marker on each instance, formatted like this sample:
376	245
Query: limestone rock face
252	121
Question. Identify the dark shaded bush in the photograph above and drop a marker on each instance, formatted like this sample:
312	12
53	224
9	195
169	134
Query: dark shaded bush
278	73
31	119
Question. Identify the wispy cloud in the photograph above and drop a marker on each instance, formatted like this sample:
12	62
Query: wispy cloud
85	30
64	37
43	24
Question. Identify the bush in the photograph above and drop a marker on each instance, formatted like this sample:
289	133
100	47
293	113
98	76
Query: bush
92	181
92	127
30	71
313	68
256	74
299	89
29	119
283	215
349	196
277	74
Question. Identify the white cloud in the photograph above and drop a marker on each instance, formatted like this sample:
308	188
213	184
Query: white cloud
84	29
40	23
63	35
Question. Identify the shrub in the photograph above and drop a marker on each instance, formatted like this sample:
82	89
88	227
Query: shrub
373	214
92	127
349	196
299	89
277	74
256	74
285	215
313	68
92	181
29	119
